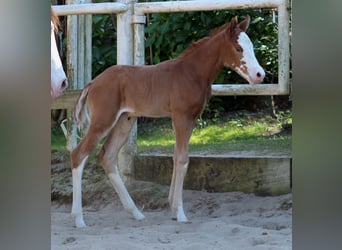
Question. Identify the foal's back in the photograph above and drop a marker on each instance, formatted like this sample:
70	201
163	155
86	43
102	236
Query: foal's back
152	91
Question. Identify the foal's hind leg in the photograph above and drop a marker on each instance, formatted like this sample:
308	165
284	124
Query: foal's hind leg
183	127
76	210
78	159
108	157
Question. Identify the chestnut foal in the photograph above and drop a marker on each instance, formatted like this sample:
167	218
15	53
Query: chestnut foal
178	88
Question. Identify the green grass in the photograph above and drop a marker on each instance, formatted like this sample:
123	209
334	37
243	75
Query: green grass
238	132
231	133
58	141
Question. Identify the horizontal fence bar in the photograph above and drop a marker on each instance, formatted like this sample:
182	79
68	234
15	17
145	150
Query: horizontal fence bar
199	5
89	8
247	89
68	99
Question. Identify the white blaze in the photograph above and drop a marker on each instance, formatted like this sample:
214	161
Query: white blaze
57	73
255	72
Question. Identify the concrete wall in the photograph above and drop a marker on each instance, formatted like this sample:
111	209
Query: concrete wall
258	175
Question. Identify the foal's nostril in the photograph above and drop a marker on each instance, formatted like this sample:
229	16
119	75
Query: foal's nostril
64	85
258	74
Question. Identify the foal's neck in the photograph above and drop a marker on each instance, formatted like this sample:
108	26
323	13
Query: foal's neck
206	59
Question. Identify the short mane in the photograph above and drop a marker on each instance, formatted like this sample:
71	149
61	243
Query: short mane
195	44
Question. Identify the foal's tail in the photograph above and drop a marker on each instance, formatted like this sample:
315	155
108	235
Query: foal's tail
80	108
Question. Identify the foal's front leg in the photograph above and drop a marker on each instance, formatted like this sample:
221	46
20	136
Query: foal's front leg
108	157
181	162
183	127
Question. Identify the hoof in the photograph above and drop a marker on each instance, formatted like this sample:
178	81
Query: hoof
138	215
179	216
80	224
182	219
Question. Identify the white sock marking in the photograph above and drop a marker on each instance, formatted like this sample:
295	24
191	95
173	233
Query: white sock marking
125	198
76	210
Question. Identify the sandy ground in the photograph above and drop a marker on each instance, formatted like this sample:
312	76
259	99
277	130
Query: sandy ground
230	221
217	221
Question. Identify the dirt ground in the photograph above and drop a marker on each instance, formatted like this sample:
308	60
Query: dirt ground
233	221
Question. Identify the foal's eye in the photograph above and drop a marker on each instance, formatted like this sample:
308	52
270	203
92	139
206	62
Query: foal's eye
239	49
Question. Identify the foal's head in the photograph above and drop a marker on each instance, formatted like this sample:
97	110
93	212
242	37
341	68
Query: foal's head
58	78
240	56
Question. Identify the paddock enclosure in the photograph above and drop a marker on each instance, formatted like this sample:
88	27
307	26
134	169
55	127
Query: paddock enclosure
130	51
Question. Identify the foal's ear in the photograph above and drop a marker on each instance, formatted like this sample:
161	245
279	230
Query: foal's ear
233	23
232	26
244	24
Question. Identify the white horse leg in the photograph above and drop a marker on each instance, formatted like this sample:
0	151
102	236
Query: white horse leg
78	159
108	156
76	210
177	198
125	198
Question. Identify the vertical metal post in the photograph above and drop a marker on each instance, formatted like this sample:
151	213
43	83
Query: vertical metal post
139	43
125	34
80	51
84	48
283	47
125	57
72	69
88	47
78	60
72	48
